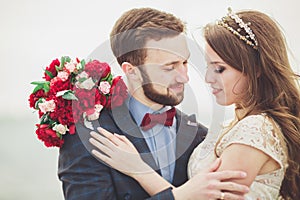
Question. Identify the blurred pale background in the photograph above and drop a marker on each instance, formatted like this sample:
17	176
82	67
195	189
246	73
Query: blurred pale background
34	32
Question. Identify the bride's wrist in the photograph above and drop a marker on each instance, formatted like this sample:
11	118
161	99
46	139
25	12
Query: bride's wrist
180	193
140	174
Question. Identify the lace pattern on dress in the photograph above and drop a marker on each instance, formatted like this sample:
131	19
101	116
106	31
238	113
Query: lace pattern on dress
262	133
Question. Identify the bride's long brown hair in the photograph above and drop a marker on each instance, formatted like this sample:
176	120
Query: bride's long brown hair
273	86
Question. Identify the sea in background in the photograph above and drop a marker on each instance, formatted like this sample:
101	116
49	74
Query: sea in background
28	169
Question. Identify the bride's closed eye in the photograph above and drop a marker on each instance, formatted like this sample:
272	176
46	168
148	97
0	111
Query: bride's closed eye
219	69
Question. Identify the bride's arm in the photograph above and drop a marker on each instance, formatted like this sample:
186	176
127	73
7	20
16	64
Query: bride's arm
118	152
121	155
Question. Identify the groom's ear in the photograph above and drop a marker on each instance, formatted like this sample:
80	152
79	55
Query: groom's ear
131	71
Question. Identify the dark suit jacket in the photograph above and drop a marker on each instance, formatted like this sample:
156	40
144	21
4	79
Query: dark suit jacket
86	178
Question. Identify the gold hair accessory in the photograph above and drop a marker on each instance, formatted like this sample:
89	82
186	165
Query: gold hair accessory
249	38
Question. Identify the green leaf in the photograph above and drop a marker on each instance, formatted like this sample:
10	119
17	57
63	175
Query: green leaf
49	73
107	78
37	88
62	63
45	85
82	62
37	103
67	59
45	118
69	95
58	135
38	82
79	68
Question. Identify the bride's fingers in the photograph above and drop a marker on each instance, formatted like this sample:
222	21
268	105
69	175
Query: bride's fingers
101	156
228	174
233	187
101	141
109	136
107	151
230	196
124	139
216	164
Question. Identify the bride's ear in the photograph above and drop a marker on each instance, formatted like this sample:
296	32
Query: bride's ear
131	71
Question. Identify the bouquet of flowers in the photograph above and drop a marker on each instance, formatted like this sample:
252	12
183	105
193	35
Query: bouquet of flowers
73	92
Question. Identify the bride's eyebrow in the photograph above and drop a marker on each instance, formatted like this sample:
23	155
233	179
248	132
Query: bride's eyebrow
216	63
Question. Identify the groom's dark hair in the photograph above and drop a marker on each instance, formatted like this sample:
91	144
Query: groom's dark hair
135	27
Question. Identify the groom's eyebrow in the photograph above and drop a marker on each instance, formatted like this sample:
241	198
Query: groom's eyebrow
176	61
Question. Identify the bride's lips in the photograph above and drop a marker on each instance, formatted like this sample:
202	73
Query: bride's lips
215	90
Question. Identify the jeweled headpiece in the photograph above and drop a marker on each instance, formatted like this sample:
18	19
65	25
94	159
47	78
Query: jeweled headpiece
249	38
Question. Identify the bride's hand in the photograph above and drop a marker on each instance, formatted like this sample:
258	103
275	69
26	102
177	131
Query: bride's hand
118	152
213	184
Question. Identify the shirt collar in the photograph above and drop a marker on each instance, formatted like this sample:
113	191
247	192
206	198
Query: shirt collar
138	110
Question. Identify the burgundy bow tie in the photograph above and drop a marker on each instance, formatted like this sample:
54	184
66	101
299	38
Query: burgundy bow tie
165	118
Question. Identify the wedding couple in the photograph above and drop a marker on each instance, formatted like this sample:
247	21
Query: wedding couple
156	151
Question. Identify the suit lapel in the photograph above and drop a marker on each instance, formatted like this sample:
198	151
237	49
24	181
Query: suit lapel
129	128
186	134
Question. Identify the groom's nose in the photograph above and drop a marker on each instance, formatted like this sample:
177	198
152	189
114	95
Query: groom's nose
182	75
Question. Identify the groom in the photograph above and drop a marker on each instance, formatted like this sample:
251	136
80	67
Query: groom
151	49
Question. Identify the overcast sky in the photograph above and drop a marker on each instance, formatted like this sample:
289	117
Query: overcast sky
33	32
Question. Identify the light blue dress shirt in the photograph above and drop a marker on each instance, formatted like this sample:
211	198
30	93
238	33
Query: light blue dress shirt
160	139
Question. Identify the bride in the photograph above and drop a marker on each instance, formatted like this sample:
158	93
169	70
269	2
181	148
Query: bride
247	66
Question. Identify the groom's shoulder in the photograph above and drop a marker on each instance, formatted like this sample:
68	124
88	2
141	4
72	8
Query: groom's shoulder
191	121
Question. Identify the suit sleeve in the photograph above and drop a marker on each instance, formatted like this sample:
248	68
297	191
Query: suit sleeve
163	195
83	176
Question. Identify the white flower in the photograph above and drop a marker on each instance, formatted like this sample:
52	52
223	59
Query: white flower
98	107
60	93
87	123
96	114
63	75
104	87
70	66
93	116
82	75
47	106
87	84
61	129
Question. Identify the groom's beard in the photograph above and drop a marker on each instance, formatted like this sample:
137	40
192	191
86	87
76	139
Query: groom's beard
168	99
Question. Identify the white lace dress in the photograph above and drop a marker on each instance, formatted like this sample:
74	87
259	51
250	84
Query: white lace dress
257	131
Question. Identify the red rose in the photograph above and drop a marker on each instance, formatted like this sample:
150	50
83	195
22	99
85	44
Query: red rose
34	97
100	98
72	129
70	111
59	85
63	111
87	99
77	111
48	136
118	93
97	70
51	69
